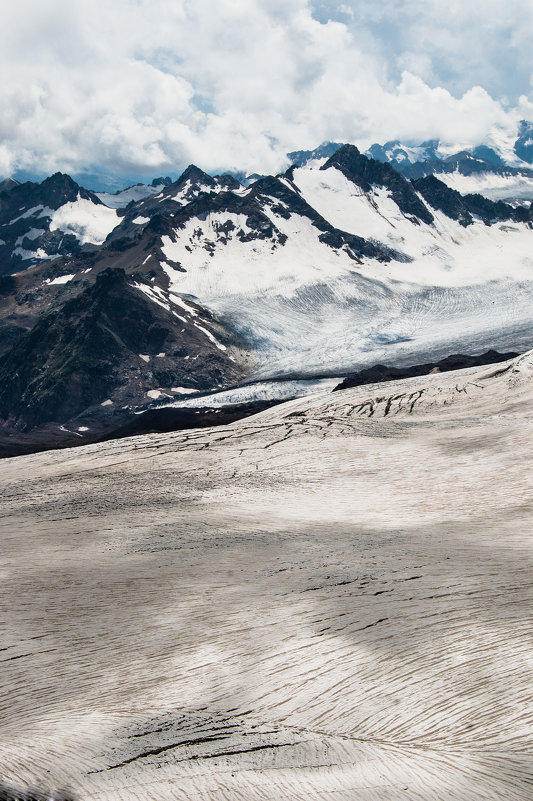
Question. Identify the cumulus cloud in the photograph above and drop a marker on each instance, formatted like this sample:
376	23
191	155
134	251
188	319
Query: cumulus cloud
151	85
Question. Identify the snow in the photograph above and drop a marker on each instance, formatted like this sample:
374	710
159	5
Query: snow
61	279
83	428
144	357
177	300
184	390
502	140
88	222
190	190
155	295
248	267
108	402
444	254
33	233
141	221
39	254
35	211
121	199
210	336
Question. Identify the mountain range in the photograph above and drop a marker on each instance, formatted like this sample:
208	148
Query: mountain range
161	295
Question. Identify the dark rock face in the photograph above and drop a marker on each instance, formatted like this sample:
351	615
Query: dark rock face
367	173
524	144
380	372
491	212
86	351
8	184
441	197
463	207
161	181
488	154
160	421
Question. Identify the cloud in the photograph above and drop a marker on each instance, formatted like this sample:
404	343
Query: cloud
151	85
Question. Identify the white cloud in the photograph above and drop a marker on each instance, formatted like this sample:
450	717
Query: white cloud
228	84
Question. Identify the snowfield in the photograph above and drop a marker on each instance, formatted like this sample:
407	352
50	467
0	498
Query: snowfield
330	600
90	223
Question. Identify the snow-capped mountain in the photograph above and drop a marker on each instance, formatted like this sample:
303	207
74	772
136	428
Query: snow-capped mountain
123	197
500	169
327	269
39	222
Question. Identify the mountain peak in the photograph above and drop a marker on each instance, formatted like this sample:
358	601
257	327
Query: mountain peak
195	175
367	173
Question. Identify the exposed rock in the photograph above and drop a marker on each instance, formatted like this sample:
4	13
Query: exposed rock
380	372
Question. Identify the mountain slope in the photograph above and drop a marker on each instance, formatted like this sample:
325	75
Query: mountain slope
110	345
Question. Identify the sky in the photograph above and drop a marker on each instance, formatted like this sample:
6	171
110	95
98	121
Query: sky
146	87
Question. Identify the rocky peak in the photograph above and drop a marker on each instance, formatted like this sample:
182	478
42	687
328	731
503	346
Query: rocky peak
195	175
60	189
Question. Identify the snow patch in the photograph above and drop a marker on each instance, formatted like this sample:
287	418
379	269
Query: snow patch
36	211
210	336
62	279
122	199
40	254
88	222
33	233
